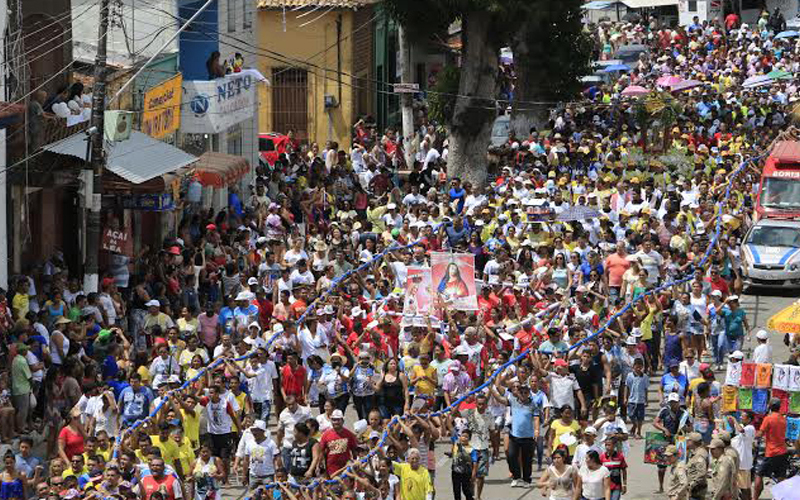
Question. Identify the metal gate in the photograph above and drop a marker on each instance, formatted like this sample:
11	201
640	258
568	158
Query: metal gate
290	101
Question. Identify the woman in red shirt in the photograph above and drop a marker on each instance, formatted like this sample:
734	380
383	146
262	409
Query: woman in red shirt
70	439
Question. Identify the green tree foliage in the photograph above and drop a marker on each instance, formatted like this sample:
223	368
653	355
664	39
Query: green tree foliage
549	31
442	100
553	50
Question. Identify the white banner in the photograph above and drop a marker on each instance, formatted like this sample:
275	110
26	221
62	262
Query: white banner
212	106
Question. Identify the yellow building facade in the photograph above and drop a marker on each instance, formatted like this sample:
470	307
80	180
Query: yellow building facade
315	66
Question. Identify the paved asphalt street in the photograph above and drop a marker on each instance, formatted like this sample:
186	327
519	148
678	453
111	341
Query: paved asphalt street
760	304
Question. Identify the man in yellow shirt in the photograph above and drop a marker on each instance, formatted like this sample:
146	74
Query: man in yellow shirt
21	303
77	467
415	481
168	447
184	454
190	417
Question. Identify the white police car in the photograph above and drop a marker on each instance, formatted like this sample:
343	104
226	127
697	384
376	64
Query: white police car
771	254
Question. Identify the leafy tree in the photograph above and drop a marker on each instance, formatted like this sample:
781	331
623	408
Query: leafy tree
552	51
486	27
442	100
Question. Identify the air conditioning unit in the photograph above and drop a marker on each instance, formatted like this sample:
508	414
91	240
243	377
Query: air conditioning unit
118	125
330	102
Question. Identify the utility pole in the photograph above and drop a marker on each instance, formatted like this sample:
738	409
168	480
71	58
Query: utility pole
406	99
97	161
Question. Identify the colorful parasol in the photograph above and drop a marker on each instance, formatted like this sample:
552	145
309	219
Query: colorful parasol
668	81
757	81
613	68
634	91
787	34
779	74
787	320
686	85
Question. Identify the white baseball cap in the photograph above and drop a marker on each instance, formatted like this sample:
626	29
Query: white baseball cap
673	396
153	303
733	297
337	415
242	296
631	341
254	324
762	335
736	355
716	293
252	281
590	430
259	425
277	328
460	351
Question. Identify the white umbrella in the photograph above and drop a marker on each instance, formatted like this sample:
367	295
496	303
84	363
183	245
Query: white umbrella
757	81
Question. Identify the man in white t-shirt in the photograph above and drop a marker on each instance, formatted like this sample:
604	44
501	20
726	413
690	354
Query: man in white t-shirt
311	342
89	401
261	457
302	275
743	444
651	261
612	425
563	387
400	269
221	415
763	351
432	157
291	415
414	197
261	374
105	301
589	443
36	367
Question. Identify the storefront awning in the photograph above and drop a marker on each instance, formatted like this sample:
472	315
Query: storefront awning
598	5
220	170
641	4
137	160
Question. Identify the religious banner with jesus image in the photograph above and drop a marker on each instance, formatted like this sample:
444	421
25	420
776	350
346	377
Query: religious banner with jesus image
418	299
453	281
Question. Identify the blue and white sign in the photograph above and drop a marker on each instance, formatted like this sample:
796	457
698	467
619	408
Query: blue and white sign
212	106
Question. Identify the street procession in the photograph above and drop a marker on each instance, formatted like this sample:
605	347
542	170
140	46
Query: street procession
400	250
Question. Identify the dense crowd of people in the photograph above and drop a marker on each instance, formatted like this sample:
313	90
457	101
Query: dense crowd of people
238	286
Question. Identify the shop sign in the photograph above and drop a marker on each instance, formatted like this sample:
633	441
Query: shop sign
150	202
162	108
118	241
213	106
